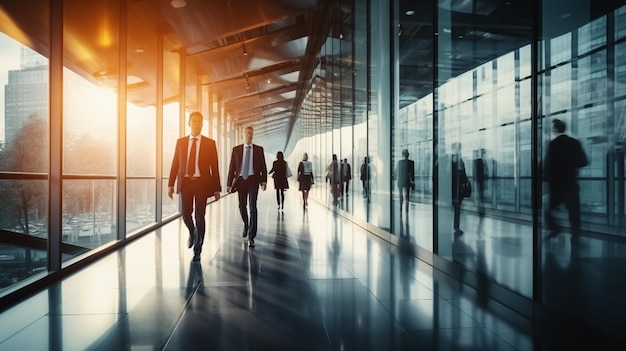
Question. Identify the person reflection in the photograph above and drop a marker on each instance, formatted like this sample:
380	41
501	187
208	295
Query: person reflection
405	178
459	185
346	176
481	173
482	280
250	267
333	177
195	279
406	254
280	240
335	247
564	157
365	177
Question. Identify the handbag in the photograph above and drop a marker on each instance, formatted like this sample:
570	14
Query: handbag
466	189
289	172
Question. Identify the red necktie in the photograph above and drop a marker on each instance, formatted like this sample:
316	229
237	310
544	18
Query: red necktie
191	163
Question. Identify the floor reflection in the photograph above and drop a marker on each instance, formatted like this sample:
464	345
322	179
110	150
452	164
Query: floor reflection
314	281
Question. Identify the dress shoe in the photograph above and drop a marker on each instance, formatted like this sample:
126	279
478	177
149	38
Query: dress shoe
458	231
251	243
245	232
192	238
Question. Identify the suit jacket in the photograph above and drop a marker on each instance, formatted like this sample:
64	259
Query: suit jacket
564	157
258	164
279	170
346	171
207	163
405	173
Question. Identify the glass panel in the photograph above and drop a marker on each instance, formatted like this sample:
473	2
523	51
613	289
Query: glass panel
412	128
24	142
583	216
141	120
91	59
140	195
360	109
483	112
347	105
88	213
170	135
379	122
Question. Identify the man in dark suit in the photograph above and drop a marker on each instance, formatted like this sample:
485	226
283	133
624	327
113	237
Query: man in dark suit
346	176
564	157
246	172
405	177
195	165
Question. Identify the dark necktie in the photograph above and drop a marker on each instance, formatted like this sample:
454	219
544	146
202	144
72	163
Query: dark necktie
191	163
246	163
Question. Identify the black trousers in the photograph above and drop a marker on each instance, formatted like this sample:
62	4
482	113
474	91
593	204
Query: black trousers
248	192
571	200
194	195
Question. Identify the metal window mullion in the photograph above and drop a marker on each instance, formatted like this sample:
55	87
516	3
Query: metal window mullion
121	123
55	184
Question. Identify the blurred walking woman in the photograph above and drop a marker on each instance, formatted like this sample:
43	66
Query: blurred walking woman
305	178
279	173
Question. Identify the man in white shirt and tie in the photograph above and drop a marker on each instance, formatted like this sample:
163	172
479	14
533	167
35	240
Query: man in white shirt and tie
196	173
247	171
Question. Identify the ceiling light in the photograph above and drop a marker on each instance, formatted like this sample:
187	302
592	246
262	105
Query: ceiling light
178	3
410	12
245	52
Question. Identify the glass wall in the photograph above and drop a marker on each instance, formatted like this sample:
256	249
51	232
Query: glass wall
360	183
141	122
24	156
90	124
483	142
97	152
412	152
477	129
581	74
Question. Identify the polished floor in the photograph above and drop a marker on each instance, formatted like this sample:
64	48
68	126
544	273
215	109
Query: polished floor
314	281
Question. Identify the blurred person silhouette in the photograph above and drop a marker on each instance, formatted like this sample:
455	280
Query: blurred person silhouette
247	171
460	185
333	177
195	169
346	176
305	179
405	178
564	157
280	172
481	173
365	176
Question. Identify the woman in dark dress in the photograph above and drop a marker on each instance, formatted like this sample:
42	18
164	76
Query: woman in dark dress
305	178
279	173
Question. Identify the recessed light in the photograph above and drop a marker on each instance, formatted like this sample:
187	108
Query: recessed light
410	12
178	3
